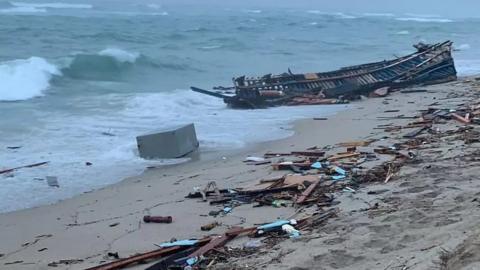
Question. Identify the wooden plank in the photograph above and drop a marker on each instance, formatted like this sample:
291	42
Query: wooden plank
159	253
301	199
465	120
343	156
217	241
355	143
21	167
309	153
416	132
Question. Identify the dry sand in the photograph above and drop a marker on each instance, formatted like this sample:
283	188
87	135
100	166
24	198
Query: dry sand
430	207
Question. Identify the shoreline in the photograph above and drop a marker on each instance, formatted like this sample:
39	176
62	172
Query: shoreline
210	154
108	219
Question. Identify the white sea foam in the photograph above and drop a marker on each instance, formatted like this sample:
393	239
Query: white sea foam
422	15
22	10
344	16
211	47
256	11
403	32
120	55
337	14
378	14
59	5
154	6
68	141
462	47
426	20
218	126
25	78
467	67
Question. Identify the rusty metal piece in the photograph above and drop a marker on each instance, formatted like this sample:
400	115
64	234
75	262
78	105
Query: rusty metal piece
157	219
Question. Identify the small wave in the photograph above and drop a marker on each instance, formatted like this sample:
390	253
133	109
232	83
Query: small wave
403	32
107	64
212	47
422	15
154	6
17	9
313	23
256	11
344	16
463	47
378	14
52	5
420	19
197	29
25	78
120	55
336	14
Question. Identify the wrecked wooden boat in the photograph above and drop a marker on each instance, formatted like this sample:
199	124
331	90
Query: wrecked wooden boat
430	64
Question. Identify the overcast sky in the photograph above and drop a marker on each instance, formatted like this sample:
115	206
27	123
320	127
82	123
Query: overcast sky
447	8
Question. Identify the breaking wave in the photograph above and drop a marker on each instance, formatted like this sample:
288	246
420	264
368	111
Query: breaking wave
120	55
403	32
25	78
424	19
107	64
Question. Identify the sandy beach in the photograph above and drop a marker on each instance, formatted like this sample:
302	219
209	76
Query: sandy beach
425	216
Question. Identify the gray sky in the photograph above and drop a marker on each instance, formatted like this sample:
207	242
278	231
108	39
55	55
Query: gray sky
447	8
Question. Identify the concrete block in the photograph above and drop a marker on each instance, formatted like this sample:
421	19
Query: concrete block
172	142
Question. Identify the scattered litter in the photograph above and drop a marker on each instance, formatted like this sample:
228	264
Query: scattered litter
157	219
255	159
316	165
209	226
292	232
188	242
108	134
113	254
252	244
65	262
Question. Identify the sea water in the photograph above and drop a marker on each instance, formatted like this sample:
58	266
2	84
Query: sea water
78	81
